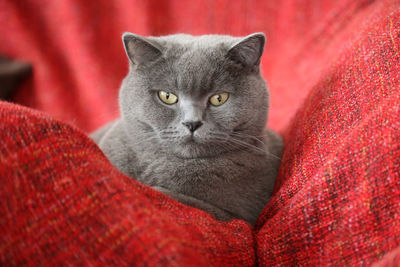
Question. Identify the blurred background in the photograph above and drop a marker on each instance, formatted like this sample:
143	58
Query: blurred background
70	55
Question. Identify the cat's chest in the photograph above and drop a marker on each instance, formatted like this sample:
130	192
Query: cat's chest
189	174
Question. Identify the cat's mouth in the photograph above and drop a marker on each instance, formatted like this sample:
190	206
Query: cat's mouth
193	147
192	139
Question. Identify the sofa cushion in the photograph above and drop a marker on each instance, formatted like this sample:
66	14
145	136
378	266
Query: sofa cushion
62	202
337	199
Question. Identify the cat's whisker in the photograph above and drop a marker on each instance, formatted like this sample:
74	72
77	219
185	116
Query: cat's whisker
256	148
219	138
144	138
219	134
273	155
245	144
169	132
227	145
232	135
169	136
228	141
244	136
248	136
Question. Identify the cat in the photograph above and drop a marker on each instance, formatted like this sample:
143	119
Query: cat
193	122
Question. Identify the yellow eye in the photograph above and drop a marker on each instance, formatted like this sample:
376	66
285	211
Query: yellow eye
219	99
167	97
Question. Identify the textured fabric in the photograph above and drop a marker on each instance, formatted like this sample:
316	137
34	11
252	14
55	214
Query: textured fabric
391	259
62	201
337	200
333	69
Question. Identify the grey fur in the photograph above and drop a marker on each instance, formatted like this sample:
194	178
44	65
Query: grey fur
228	165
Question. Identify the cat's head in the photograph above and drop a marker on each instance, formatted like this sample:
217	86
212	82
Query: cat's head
194	96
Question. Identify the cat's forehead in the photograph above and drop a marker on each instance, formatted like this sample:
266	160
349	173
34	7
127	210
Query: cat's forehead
199	70
196	64
195	49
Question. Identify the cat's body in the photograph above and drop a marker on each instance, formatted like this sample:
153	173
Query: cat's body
217	157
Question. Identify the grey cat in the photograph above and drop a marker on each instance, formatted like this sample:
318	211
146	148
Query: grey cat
193	116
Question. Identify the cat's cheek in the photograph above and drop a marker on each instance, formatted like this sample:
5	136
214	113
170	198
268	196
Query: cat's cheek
226	118
160	115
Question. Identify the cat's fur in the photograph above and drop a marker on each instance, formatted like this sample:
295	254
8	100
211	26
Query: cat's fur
228	165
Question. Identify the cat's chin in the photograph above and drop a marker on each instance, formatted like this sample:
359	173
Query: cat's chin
195	150
190	155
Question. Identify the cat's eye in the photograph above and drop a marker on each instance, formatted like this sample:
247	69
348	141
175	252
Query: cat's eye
219	99
167	97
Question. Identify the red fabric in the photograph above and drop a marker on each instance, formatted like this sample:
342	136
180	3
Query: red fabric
338	194
391	259
62	201
333	69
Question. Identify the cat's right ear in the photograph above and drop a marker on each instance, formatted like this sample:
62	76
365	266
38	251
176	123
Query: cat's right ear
249	50
140	50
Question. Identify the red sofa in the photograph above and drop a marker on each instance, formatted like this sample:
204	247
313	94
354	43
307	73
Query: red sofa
333	68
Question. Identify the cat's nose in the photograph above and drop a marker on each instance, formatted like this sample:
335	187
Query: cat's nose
192	125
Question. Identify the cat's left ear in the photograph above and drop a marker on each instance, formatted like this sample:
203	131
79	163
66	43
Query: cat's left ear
249	50
140	50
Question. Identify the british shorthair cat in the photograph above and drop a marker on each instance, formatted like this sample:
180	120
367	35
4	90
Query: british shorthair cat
193	122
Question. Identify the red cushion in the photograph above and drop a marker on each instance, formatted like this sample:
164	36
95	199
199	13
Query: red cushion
62	201
337	200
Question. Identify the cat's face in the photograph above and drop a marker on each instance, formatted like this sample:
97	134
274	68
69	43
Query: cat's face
194	96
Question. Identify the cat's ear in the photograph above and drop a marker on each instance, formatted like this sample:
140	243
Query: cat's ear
140	50
248	51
